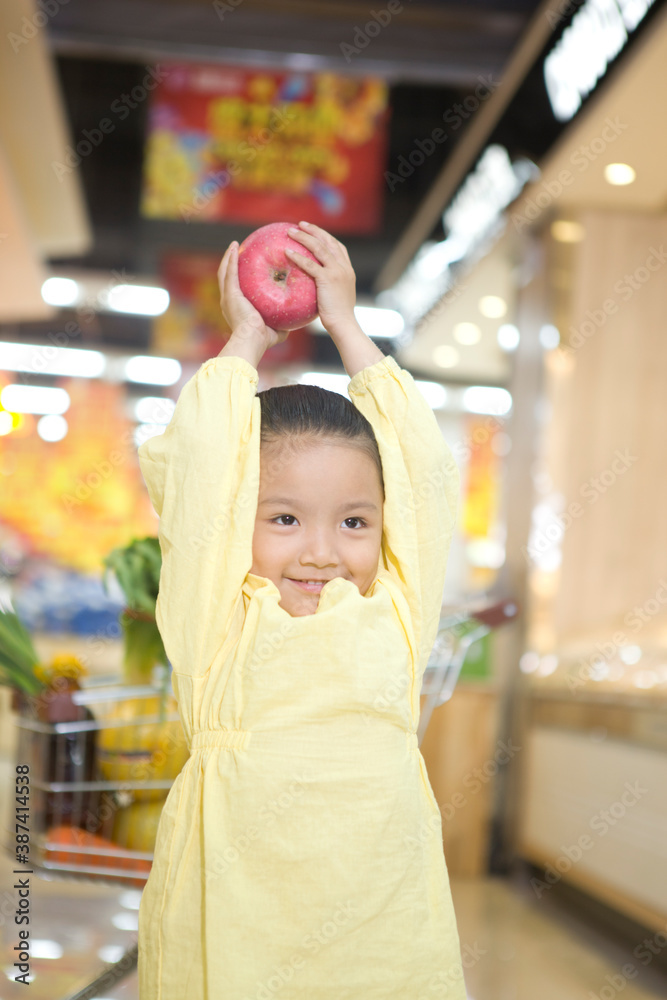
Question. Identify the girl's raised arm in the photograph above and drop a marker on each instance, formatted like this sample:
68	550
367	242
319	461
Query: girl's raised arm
422	483
202	476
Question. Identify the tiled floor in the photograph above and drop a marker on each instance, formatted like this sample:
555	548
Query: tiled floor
514	945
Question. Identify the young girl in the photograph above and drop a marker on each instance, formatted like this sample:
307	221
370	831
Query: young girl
304	543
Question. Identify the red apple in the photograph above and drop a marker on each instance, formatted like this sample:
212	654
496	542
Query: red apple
283	294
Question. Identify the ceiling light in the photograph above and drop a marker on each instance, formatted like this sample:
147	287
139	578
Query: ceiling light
467	333
492	306
52	427
126	920
376	322
567	231
619	174
6	423
142	432
508	337
130	899
434	393
142	300
326	380
548	665
152	371
487	399
549	337
60	291
529	662
154	410
446	356
43	948
42	359
34	399
485	553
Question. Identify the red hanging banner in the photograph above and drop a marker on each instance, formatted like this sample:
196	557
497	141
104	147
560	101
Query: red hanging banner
237	145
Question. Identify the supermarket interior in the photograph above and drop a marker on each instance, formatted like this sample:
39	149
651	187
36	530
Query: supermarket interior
495	170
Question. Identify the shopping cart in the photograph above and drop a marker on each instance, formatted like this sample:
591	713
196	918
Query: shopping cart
67	788
457	632
113	753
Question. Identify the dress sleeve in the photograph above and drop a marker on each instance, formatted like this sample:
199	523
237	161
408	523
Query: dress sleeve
421	481
202	477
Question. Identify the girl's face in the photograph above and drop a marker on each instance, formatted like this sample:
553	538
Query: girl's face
319	515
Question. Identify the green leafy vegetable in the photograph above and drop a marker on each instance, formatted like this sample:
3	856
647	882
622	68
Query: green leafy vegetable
18	657
137	569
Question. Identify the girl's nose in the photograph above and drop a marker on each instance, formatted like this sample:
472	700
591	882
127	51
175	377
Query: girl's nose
319	548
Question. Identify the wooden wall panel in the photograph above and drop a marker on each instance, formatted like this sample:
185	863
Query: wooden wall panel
612	398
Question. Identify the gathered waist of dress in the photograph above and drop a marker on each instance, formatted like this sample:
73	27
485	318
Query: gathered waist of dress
309	738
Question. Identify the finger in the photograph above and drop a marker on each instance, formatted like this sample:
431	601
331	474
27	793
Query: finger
317	248
309	240
311	267
313	230
232	287
224	267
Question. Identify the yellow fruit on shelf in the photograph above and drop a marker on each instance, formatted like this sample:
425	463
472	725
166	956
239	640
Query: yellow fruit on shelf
135	826
143	749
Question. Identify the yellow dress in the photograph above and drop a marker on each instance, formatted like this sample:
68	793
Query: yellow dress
299	853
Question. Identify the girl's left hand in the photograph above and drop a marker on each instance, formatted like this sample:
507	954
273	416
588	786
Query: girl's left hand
334	276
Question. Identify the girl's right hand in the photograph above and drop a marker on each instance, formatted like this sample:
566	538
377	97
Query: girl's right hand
240	313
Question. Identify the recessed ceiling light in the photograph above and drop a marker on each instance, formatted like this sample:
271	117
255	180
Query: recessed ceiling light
52	427
60	292
619	174
487	399
467	333
492	306
549	337
446	356
142	300
508	337
434	393
567	231
42	359
152	370
34	399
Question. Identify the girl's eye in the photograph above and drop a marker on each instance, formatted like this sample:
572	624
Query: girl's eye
359	519
275	520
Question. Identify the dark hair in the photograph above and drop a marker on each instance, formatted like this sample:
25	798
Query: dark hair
292	411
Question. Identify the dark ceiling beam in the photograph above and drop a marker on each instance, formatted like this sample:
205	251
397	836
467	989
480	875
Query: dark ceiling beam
422	43
470	146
